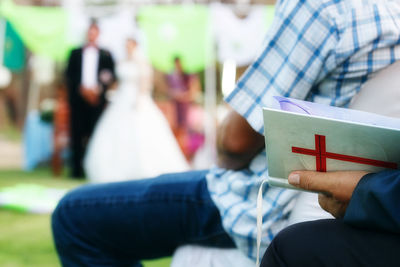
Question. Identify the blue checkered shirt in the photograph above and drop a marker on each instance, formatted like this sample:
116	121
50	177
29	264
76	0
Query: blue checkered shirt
317	50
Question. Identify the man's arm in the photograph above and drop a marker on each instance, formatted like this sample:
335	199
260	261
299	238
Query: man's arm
376	202
111	64
367	200
107	63
71	73
237	142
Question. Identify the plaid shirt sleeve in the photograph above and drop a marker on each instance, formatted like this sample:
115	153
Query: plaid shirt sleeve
296	49
321	51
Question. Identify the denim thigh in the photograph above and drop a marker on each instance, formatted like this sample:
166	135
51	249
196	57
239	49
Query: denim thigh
134	220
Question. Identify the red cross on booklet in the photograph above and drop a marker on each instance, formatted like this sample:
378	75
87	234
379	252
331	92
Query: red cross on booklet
321	155
310	136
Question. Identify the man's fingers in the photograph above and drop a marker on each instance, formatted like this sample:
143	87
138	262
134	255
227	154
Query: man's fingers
323	201
337	187
310	180
332	205
340	184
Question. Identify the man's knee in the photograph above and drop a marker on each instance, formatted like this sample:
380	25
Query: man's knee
62	219
58	218
280	251
294	246
272	257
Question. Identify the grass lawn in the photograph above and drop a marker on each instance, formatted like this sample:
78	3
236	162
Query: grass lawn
25	239
11	133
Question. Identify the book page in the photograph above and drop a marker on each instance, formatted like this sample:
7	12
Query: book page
325	111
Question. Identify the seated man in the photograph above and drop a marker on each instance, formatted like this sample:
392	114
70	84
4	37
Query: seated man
367	235
320	51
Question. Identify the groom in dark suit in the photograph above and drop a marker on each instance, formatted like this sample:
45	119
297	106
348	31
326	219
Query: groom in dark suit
89	73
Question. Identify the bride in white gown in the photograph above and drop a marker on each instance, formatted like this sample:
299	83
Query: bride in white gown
132	139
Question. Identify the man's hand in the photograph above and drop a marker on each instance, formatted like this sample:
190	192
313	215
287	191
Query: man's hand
237	142
335	188
91	95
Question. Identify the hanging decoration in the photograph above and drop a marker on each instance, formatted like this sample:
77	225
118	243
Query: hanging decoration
42	29
176	31
14	51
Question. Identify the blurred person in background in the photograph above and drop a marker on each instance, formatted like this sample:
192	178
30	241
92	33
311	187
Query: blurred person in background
132	139
61	129
183	89
89	73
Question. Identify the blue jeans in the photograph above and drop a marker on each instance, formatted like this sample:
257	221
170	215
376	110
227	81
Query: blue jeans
119	224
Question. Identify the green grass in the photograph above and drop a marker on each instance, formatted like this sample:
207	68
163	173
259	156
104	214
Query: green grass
25	239
41	176
11	133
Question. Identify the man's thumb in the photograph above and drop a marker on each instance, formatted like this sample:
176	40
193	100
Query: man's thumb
308	180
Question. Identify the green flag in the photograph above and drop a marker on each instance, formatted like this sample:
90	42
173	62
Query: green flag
14	52
176	31
42	29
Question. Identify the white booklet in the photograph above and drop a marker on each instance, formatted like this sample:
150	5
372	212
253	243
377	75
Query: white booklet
308	136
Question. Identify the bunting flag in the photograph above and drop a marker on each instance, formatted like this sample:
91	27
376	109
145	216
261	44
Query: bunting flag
172	31
14	51
42	29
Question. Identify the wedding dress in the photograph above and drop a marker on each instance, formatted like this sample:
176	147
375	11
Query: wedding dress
132	139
